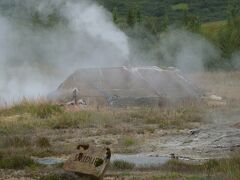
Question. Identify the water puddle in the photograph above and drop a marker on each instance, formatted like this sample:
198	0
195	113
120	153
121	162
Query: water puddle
137	159
49	160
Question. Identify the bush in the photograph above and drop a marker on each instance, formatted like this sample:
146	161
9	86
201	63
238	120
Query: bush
128	141
16	162
122	165
43	142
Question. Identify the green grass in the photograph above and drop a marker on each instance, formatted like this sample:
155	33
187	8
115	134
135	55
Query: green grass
179	166
211	29
41	153
122	165
129	141
70	120
41	109
16	162
43	142
28	117
180	6
15	141
227	168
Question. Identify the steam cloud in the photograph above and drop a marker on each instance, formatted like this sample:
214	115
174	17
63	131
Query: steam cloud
34	59
185	50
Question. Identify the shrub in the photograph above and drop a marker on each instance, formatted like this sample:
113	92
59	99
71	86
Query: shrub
43	142
128	141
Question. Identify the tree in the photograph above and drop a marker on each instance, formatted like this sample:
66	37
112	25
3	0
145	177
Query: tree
229	36
131	18
191	22
138	16
115	15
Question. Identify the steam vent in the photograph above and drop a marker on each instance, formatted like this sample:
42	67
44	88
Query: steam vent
126	86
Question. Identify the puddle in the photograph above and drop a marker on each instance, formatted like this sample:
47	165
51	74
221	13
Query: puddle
137	159
49	160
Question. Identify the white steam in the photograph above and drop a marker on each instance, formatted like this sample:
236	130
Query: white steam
34	60
37	52
236	60
185	50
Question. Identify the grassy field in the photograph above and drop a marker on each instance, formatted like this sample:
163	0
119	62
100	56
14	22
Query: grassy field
41	129
211	29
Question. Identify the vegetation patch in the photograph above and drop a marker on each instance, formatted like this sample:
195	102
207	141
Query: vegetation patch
45	153
39	109
179	166
180	6
16	162
129	141
228	168
70	120
122	165
43	142
16	141
65	176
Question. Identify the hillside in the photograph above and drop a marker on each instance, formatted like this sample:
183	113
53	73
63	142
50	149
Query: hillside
207	10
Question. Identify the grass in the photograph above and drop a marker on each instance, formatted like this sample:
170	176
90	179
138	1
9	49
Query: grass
180	166
44	153
122	165
129	141
16	162
15	141
63	177
226	168
70	120
27	117
43	142
180	6
211	29
40	109
229	167
169	117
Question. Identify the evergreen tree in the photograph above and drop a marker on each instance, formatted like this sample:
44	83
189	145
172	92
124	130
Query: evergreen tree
191	22
131	18
229	36
115	15
138	16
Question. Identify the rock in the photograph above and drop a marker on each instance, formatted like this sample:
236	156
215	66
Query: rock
216	98
194	131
